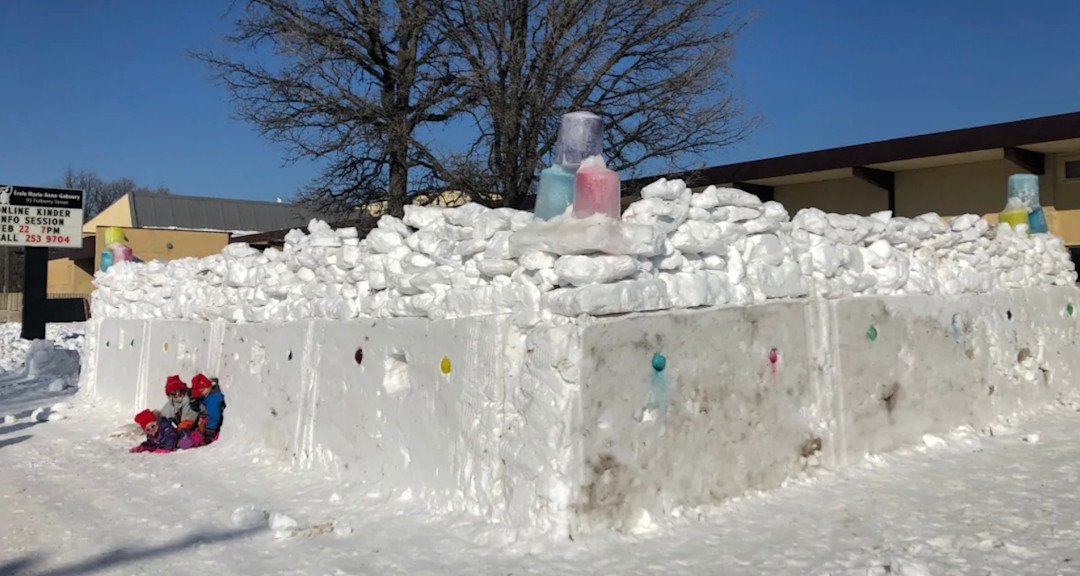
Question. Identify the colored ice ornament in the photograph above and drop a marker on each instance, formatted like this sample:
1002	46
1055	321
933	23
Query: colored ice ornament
444	366
1069	309
578	176
556	192
596	191
871	333
659	362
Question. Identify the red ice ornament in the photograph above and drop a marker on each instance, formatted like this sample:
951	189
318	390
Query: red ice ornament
774	356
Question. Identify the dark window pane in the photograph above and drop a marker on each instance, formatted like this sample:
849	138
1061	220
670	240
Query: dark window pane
1072	169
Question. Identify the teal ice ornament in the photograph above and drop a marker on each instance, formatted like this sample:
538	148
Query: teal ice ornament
659	389
659	362
1024	192
1025	189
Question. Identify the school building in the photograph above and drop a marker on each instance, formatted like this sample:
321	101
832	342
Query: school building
166	227
950	173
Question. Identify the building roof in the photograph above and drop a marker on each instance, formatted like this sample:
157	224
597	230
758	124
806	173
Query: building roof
150	210
363	223
1022	142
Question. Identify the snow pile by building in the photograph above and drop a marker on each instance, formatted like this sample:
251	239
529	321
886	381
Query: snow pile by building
13	349
34	375
672	249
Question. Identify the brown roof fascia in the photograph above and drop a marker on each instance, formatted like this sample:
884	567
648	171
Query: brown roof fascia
1005	135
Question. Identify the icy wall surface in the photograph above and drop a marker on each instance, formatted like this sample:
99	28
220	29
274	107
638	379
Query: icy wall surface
609	422
748	397
672	249
469	415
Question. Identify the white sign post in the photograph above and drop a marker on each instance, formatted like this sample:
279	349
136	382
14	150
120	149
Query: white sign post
41	217
38	219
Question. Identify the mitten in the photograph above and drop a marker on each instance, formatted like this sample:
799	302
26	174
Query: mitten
139	448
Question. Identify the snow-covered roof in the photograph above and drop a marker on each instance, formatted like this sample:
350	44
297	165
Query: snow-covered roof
203	213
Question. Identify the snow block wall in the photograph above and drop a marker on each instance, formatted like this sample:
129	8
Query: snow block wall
749	397
577	427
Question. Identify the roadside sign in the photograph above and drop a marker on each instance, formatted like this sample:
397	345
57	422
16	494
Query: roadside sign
41	217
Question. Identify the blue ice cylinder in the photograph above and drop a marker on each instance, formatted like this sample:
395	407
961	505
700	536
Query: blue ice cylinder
1025	187
1037	222
106	260
581	135
556	192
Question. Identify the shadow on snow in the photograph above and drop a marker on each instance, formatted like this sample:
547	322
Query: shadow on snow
124	555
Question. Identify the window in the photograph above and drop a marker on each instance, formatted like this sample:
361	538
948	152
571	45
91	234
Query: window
1072	169
1069	169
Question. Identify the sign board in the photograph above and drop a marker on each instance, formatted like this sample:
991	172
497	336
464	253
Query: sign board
41	217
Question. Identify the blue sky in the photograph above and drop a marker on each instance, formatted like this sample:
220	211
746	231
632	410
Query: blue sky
106	85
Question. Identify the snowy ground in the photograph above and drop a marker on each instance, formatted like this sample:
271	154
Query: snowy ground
73	501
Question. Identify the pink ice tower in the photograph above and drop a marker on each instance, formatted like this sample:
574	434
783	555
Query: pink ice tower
596	190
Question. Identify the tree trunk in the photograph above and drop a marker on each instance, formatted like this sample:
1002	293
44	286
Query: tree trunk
398	188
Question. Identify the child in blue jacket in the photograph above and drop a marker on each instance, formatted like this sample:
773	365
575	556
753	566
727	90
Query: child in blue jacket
211	401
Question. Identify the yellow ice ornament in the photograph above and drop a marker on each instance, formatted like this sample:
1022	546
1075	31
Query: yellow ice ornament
445	365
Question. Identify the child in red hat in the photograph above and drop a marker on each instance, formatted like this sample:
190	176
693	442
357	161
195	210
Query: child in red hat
207	397
177	408
161	436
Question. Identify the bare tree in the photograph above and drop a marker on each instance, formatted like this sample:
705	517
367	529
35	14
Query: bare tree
656	71
357	79
99	194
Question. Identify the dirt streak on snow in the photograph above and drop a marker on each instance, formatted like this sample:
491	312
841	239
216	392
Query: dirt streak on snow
75	502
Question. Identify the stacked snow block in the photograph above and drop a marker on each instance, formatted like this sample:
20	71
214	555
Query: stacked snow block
671	249
577	426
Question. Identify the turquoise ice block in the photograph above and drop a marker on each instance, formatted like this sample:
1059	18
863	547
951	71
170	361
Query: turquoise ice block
1025	187
556	192
1037	221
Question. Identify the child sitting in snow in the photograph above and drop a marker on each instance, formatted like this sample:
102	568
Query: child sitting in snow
161	436
177	408
207	397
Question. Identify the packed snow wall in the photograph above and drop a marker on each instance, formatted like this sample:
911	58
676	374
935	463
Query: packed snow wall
749	397
575	427
574	374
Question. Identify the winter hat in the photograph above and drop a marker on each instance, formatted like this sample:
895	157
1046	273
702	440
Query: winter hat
173	384
198	383
145	418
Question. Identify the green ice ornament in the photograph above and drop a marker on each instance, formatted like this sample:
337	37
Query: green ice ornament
659	362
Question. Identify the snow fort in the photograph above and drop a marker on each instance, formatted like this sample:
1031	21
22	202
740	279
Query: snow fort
566	374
